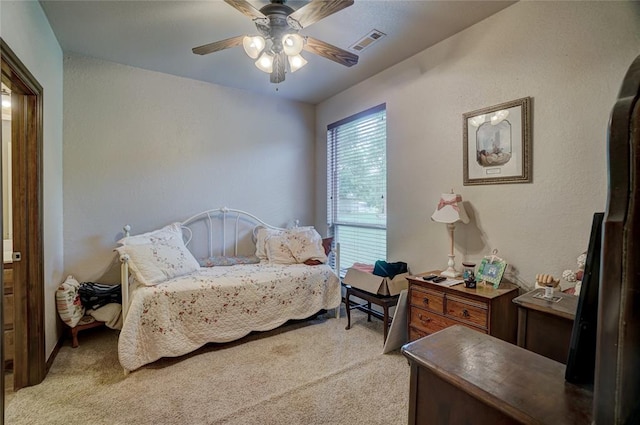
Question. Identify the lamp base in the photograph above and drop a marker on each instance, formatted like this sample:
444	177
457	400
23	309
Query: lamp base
451	272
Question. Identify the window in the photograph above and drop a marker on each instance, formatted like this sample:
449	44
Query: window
357	186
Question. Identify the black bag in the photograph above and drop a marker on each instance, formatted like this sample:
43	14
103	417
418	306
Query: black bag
95	295
390	270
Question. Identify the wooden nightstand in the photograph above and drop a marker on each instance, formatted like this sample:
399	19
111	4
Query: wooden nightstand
433	307
544	326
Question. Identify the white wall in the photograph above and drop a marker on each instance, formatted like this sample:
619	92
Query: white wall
25	29
147	149
570	57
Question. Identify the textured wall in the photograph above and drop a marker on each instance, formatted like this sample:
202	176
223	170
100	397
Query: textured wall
25	29
570	57
148	149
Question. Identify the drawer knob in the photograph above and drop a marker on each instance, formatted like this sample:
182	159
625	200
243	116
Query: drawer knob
465	313
424	319
425	300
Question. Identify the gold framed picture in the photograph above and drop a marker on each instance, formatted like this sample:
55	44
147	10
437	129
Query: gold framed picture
497	144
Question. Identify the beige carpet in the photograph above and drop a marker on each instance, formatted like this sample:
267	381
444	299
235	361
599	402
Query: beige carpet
314	372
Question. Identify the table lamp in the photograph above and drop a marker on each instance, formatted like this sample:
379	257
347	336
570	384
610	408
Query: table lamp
450	210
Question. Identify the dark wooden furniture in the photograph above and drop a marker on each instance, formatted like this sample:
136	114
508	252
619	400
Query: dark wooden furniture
617	374
544	326
459	376
433	307
8	317
384	301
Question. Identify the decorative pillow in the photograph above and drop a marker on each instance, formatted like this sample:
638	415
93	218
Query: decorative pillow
68	302
262	233
158	256
221	260
326	244
306	244
278	250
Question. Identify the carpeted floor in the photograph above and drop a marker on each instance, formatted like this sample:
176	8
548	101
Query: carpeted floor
313	372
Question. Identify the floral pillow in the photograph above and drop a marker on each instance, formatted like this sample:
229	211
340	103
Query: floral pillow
306	244
222	260
278	251
68	302
293	246
158	256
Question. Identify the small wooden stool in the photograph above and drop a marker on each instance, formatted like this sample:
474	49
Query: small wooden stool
87	322
385	301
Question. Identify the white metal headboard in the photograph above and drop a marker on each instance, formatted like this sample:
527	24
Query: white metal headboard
222	216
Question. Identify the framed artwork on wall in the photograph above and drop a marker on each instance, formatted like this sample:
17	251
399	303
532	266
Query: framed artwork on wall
497	144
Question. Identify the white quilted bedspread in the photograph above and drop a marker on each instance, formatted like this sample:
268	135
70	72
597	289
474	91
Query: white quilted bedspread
220	304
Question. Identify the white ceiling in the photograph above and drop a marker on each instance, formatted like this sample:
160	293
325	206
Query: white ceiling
159	35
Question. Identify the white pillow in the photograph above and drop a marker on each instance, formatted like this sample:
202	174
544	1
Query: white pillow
277	247
295	245
68	302
306	244
158	256
262	233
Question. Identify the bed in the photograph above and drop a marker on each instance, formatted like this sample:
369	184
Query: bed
216	277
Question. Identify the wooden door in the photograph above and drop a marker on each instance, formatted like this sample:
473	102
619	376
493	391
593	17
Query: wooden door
26	134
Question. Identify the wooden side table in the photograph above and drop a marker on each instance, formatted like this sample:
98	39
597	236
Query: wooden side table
544	326
87	322
384	301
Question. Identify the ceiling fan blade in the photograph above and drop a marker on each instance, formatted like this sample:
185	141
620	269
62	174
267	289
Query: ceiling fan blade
330	52
246	8
314	11
218	45
277	75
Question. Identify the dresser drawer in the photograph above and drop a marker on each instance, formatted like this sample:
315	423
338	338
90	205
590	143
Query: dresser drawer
427	299
416	334
428	322
467	311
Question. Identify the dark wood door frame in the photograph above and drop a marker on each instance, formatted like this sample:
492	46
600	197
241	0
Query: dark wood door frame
27	138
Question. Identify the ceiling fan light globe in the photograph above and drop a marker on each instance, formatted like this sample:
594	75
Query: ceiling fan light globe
296	62
265	63
292	44
253	45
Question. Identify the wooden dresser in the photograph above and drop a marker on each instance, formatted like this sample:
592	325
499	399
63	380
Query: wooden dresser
8	317
433	307
463	377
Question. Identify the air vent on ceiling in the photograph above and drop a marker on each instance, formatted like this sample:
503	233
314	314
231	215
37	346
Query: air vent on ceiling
367	40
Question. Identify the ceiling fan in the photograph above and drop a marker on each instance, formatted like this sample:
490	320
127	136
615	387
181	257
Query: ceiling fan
279	41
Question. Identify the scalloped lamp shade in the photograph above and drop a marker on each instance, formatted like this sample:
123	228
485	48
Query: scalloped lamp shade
450	210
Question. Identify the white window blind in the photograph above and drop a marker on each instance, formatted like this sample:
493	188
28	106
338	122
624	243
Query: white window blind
357	186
